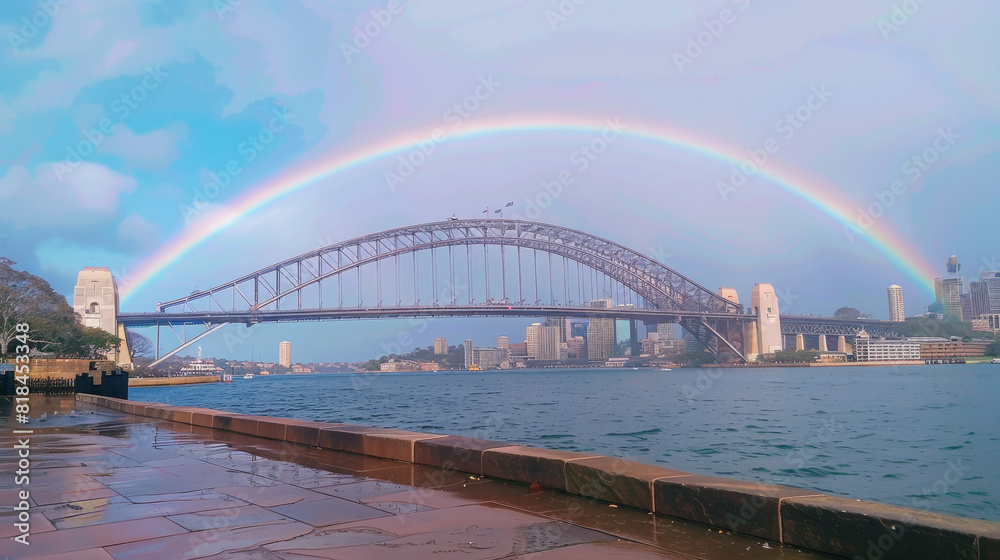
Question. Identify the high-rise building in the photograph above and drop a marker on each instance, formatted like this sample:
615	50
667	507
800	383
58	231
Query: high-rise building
764	304
563	324
949	294
469	355
543	342
600	334
285	354
665	331
896	303
992	280
503	343
979	299
440	346
965	302
533	335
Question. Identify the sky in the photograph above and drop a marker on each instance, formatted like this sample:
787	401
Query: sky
866	132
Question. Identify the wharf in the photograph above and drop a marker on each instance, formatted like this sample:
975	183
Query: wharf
105	485
120	479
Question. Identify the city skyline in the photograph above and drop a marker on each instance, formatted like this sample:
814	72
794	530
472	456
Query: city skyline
796	159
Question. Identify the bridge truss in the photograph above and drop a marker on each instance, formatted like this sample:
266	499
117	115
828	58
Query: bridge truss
461	267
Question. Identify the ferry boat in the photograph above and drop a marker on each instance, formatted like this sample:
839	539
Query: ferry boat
201	367
995	361
473	367
248	376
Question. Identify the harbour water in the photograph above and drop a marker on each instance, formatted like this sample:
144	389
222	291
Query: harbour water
925	437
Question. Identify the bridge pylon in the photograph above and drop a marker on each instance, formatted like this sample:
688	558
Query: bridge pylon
95	300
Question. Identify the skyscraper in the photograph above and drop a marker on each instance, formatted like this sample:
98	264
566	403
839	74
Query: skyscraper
979	298
440	346
503	343
992	280
949	294
469	357
600	334
543	342
285	354
896	303
563	324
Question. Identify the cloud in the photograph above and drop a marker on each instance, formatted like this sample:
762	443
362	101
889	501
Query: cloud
153	150
137	233
88	196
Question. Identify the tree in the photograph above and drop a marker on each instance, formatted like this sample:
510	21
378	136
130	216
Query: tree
54	327
139	345
993	349
846	313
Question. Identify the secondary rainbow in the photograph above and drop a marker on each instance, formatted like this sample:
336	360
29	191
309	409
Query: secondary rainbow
815	192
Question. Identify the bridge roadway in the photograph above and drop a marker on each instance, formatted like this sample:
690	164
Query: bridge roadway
790	324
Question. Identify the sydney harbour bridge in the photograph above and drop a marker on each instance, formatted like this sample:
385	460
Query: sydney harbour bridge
476	268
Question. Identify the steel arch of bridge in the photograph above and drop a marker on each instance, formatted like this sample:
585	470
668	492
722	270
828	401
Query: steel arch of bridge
660	286
277	292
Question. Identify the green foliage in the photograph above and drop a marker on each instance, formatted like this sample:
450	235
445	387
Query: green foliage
993	349
694	359
455	359
932	326
846	313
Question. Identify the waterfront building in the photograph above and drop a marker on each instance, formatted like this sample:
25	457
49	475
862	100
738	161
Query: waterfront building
393	366
488	358
285	353
868	349
518	351
764	304
440	347
896	303
469	358
936	348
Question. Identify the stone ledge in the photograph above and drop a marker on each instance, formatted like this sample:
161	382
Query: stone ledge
736	505
530	464
394	444
616	480
454	453
850	527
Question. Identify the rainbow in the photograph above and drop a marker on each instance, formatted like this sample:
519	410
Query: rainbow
904	255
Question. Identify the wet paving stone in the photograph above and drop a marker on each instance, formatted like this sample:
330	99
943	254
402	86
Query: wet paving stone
126	488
